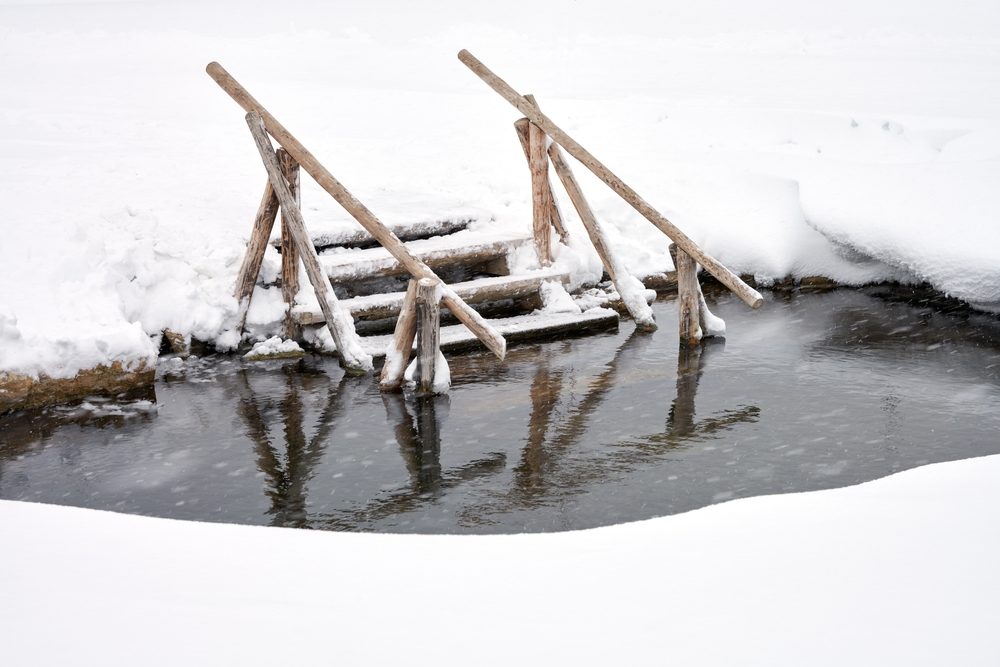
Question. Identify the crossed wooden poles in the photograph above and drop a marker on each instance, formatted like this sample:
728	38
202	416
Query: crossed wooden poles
533	130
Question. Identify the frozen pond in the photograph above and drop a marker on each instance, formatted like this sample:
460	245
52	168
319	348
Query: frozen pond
813	391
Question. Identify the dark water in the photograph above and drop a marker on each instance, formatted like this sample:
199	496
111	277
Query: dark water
811	392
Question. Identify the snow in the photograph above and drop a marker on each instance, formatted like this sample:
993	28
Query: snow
899	571
858	141
442	372
273	347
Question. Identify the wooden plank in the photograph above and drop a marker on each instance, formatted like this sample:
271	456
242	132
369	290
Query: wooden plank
341	327
632	296
491	339
515	329
462	249
481	290
428	329
412	231
397	352
246	279
289	255
749	296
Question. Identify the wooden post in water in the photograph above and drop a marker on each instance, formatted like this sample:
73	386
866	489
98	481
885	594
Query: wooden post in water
289	255
397	356
688	296
465	314
340	324
428	334
749	295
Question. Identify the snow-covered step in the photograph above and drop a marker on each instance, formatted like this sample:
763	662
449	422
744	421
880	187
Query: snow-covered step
514	329
481	290
465	248
353	236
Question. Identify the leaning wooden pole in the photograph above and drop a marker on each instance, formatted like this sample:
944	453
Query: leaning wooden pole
397	354
246	279
465	314
749	295
340	324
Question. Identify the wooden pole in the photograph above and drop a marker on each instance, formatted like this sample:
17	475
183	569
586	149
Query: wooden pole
428	333
340	324
465	314
632	296
555	217
246	279
289	255
749	295
397	356
688	301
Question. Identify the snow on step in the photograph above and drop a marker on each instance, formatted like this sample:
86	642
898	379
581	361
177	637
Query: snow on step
465	247
514	329
353	236
481	290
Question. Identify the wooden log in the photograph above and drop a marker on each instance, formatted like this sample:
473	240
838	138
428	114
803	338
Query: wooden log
397	353
631	293
428	333
749	296
688	301
491	339
352	357
555	217
411	231
538	163
289	255
246	279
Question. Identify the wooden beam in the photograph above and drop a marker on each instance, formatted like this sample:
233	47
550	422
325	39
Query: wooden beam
289	255
428	334
246	279
340	324
490	338
688	298
631	293
397	353
749	296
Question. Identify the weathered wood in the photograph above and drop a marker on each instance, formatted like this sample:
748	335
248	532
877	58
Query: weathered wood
637	307
463	250
428	332
289	255
246	279
24	392
555	217
750	296
538	163
180	344
688	298
341	327
412	231
491	339
397	353
481	290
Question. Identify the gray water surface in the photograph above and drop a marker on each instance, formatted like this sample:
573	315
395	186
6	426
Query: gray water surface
813	391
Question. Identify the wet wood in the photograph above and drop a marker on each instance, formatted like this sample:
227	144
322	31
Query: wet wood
428	334
344	337
289	255
180	344
749	296
22	392
491	339
246	279
688	297
401	346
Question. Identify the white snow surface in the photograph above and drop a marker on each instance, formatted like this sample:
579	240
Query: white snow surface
858	140
272	346
899	571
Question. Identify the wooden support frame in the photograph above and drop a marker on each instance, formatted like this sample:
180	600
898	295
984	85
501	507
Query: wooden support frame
465	314
341	326
397	355
246	278
746	293
428	334
289	253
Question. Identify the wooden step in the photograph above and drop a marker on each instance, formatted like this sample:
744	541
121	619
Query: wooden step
359	238
463	248
481	290
514	329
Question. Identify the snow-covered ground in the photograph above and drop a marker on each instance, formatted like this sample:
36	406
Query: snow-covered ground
900	571
858	140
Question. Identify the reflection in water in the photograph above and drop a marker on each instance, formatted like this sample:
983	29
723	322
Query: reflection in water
812	392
